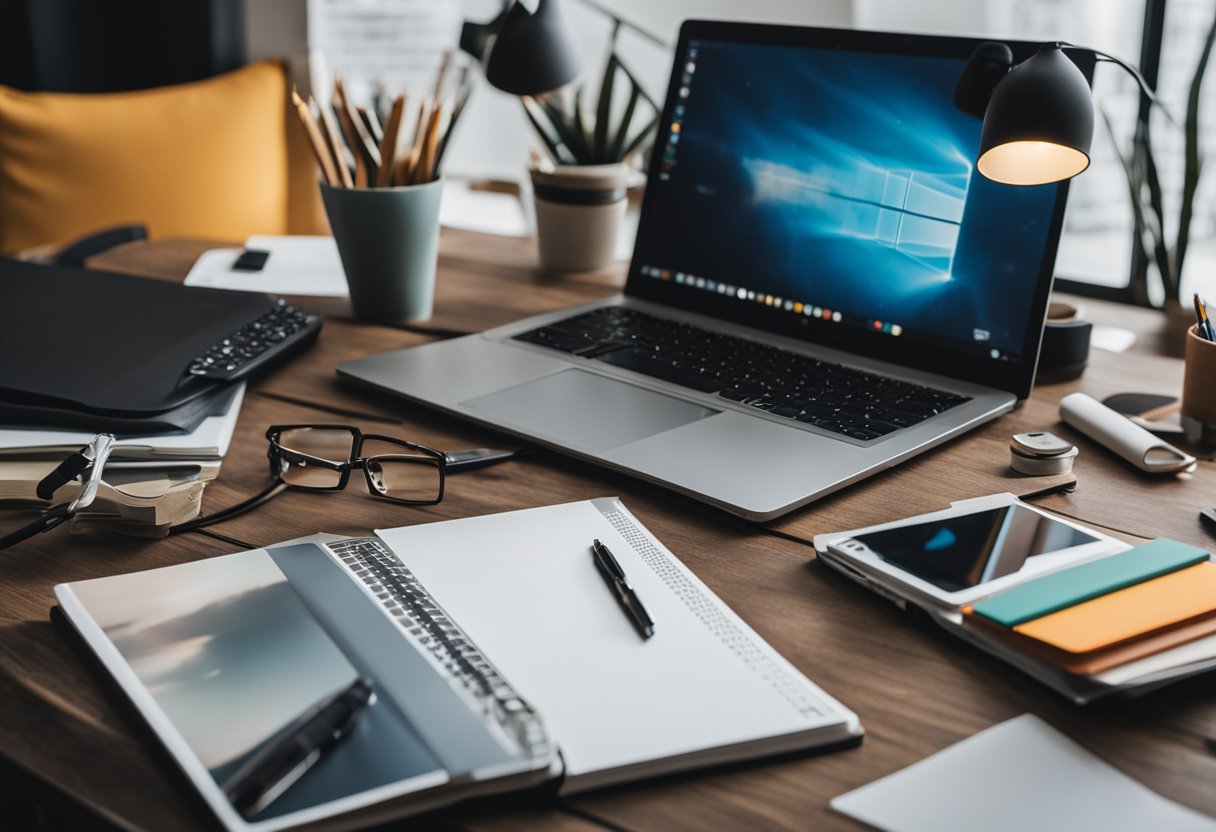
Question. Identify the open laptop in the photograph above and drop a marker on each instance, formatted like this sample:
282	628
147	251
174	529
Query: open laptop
822	284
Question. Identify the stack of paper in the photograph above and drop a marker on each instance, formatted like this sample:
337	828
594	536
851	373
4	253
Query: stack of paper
1018	775
149	484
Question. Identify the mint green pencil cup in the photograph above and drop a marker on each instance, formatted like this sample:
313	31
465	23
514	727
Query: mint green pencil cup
388	240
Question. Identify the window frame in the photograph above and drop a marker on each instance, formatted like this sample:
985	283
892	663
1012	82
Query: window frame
1152	35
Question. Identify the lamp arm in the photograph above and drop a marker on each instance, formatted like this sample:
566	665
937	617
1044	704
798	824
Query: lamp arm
1148	91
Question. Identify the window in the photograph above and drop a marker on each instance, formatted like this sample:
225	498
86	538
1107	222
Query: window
1163	38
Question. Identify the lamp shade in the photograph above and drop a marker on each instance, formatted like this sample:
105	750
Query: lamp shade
1039	122
532	52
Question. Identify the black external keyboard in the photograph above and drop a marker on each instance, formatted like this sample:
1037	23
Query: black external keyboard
277	332
854	403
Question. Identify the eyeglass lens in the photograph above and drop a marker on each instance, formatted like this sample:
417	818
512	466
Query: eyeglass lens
399	472
334	445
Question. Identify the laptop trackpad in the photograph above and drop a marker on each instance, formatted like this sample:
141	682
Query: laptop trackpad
585	410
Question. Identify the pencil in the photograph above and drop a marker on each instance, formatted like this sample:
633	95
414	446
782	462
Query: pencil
463	88
417	139
443	71
371	122
319	148
336	147
363	137
388	146
426	162
348	131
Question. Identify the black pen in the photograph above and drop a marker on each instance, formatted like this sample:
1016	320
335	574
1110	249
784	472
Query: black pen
271	771
619	584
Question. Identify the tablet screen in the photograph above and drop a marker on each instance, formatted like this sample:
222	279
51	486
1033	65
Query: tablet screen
961	552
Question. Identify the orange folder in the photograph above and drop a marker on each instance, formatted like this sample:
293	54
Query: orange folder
1087	664
1123	615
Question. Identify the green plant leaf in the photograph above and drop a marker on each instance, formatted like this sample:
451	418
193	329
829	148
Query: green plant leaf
549	133
557	111
633	80
640	138
616	149
582	141
603	112
1192	168
1156	214
1145	240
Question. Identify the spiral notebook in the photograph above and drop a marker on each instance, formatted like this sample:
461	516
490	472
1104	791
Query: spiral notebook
500	657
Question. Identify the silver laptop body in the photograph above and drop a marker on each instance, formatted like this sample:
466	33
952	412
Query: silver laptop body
739	455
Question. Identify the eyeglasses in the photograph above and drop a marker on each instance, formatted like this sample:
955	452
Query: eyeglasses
322	457
87	464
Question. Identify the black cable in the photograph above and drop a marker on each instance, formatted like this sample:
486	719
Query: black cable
52	518
272	490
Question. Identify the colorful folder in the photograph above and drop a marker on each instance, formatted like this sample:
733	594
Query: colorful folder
1070	587
1145	608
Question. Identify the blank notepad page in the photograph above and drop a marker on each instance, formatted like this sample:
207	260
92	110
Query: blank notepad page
524	587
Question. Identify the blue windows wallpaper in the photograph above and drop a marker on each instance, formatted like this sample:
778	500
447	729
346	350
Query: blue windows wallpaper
846	180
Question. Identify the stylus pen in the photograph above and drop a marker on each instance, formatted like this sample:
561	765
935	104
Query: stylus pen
271	771
629	601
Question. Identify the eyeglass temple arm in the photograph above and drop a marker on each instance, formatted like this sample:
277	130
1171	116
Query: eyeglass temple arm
49	520
456	462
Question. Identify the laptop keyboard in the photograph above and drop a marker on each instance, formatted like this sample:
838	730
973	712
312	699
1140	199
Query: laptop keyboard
833	397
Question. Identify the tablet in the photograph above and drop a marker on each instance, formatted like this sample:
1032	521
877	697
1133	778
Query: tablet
971	551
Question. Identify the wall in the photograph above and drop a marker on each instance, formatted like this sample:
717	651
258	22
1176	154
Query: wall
493	137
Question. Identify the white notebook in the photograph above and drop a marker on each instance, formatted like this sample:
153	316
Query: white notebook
499	654
704	689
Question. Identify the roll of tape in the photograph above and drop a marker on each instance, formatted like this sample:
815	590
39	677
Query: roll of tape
1065	348
1041	466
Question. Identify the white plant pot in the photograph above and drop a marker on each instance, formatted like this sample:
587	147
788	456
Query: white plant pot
579	209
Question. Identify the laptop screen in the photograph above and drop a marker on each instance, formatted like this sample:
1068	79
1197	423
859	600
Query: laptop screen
830	191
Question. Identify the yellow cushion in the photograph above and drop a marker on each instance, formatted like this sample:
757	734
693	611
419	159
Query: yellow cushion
207	159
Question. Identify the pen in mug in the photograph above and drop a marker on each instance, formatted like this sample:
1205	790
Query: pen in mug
1204	327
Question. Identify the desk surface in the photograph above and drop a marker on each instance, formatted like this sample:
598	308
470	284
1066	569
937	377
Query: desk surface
915	689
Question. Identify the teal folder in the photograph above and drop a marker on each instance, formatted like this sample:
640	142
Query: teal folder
1089	580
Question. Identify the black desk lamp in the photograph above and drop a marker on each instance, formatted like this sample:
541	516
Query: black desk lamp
1038	116
530	52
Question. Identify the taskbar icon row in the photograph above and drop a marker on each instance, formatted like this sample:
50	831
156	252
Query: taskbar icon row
797	307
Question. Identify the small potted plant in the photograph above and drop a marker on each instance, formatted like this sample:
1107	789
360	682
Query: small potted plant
580	190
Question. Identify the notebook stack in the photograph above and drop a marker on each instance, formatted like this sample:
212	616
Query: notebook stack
159	365
150	482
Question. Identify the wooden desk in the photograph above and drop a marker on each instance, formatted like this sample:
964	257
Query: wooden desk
915	689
